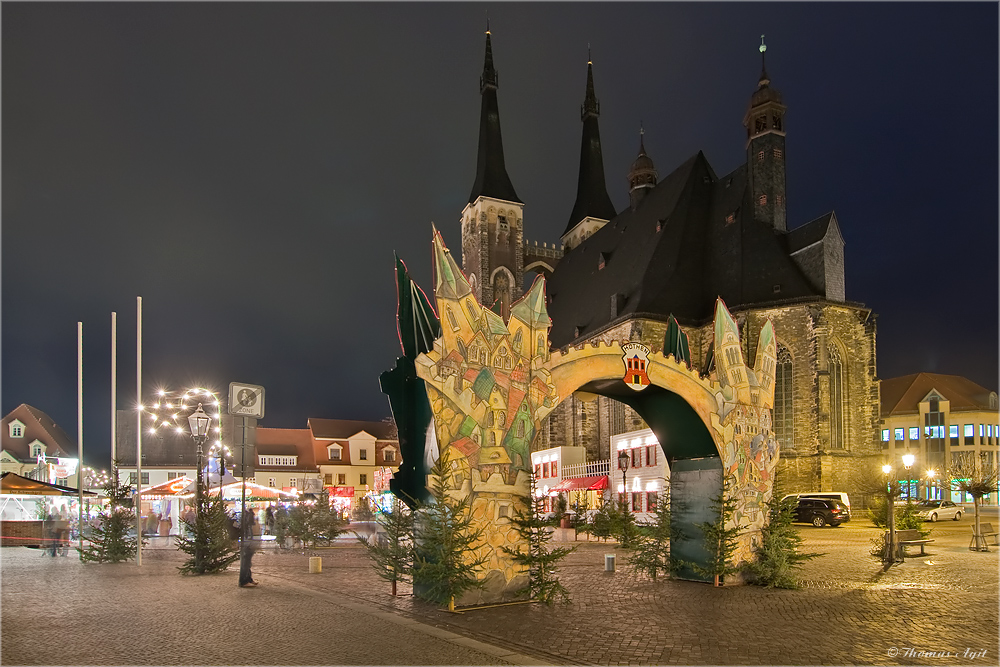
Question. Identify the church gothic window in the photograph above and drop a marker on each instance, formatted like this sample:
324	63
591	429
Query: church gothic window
783	397
452	320
541	343
836	369
518	341
472	310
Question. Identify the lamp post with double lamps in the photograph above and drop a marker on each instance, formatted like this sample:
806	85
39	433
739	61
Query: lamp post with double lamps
931	474
623	461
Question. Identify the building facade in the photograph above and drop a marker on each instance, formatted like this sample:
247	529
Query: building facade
682	241
943	421
36	447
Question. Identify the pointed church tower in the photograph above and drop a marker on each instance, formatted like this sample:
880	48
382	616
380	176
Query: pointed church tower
593	207
492	232
765	124
642	175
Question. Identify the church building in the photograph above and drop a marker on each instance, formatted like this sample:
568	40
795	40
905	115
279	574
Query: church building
682	241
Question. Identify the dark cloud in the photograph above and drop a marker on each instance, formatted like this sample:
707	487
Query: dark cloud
249	169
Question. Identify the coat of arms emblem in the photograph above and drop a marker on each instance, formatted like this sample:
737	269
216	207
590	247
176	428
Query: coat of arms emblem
635	358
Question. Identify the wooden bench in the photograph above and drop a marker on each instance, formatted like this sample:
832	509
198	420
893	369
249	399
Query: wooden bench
905	538
985	530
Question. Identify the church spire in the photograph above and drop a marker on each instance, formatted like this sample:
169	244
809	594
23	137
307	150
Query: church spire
765	125
592	200
491	172
642	176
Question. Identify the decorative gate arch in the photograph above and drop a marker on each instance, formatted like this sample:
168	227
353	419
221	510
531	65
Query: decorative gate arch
489	384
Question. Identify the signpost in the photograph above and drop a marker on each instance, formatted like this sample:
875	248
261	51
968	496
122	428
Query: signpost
246	404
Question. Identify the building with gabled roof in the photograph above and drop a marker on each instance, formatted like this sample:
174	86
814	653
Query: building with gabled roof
28	434
942	420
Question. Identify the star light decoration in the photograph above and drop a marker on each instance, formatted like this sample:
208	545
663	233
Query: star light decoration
170	411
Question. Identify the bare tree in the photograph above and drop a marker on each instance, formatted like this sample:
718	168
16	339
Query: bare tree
978	478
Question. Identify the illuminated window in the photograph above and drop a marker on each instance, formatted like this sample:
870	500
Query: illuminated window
651	455
555	469
760	156
777	200
953	433
545	470
538	470
970	434
899	434
650	501
914	433
636	502
777	154
731	218
636	457
885	435
762	200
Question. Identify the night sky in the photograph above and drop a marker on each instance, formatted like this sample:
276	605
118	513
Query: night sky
249	169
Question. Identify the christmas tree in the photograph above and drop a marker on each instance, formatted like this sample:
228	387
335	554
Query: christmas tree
444	564
650	550
110	541
392	552
210	543
539	558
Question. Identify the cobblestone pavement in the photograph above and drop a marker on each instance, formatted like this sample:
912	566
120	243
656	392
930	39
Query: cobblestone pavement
938	609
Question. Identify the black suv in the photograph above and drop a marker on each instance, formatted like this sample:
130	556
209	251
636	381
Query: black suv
821	512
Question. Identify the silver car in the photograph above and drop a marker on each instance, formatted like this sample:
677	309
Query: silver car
932	510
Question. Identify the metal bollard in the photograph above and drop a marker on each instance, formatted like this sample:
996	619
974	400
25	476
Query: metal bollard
609	562
315	564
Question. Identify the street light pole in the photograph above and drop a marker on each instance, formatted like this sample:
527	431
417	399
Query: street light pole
199	422
907	464
623	461
890	519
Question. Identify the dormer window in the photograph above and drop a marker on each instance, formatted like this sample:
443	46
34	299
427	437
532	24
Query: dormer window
603	260
37	449
333	452
16	429
389	455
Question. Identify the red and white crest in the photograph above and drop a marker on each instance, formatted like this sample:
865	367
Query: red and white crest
635	358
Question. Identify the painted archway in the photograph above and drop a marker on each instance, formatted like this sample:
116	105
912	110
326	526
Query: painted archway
490	383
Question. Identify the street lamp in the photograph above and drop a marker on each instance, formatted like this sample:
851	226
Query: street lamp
199	422
623	461
931	474
907	464
890	546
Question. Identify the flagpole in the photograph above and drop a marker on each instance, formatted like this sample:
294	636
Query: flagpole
114	386
79	429
138	430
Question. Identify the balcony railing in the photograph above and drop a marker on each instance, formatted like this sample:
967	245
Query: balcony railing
591	469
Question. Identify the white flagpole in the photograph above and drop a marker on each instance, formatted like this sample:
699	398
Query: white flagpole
79	429
114	387
138	430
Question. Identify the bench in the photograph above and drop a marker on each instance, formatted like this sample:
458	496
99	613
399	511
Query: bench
979	541
910	537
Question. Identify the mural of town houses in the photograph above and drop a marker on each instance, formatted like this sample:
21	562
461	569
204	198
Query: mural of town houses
488	392
750	452
647	476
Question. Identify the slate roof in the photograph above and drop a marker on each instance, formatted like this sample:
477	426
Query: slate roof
696	256
342	429
491	172
902	395
592	198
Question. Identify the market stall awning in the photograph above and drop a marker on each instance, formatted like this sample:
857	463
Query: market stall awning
15	485
168	489
234	491
594	483
340	491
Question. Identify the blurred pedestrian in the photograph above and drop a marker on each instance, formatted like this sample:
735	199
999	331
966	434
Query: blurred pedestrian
49	528
248	524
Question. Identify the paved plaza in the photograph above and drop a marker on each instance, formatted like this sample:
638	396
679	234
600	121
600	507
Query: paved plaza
938	609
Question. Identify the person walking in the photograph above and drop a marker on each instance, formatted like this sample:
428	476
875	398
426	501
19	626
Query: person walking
247	525
49	528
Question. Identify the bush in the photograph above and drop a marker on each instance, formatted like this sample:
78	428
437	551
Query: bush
905	516
777	555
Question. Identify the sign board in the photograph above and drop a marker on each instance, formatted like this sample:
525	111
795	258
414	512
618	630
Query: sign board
246	400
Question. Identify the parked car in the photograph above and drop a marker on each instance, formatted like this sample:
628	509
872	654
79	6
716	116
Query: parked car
821	512
932	510
829	495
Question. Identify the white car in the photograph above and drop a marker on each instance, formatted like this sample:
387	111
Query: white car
932	510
